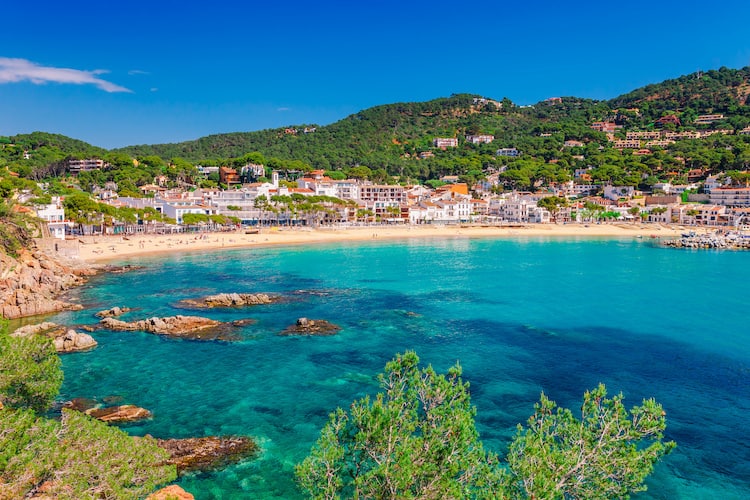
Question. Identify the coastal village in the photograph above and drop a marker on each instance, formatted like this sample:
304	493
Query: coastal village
707	200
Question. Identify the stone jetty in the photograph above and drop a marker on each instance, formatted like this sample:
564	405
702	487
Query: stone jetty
724	241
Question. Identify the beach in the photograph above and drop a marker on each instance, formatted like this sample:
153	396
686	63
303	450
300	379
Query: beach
105	248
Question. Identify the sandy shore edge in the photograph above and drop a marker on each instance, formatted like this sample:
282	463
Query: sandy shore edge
96	249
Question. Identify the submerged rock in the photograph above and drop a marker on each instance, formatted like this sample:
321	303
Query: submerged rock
80	404
187	327
207	453
305	326
230	300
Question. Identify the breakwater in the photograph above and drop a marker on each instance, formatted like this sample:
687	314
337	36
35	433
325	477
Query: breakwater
728	241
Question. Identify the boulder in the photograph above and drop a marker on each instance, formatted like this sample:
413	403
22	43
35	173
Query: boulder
112	313
171	492
207	453
230	300
73	341
64	340
318	327
119	414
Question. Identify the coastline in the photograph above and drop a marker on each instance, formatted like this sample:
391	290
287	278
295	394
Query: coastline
100	249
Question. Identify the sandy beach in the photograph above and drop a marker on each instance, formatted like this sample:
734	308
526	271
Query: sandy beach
105	248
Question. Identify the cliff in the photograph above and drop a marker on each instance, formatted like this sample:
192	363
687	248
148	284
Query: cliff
31	283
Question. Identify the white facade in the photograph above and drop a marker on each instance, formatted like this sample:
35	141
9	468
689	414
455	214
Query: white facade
731	196
54	215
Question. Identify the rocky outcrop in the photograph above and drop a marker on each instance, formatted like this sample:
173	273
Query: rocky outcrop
206	453
119	414
73	341
319	327
187	327
113	312
65	340
31	284
230	300
171	492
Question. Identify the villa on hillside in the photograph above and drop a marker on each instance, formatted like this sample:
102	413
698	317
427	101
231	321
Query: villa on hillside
480	139
445	142
75	166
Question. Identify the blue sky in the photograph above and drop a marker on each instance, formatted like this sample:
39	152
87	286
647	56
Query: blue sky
120	73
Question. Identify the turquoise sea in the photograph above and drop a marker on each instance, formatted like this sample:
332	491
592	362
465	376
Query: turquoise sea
522	316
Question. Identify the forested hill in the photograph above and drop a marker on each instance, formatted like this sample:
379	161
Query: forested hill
392	136
389	136
725	91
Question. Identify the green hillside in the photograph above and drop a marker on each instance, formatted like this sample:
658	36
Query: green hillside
725	91
396	140
391	136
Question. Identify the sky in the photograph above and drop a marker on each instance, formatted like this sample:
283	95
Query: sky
121	73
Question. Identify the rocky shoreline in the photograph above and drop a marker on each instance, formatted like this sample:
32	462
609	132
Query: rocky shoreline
32	283
723	241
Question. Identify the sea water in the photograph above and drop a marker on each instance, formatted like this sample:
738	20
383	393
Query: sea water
521	316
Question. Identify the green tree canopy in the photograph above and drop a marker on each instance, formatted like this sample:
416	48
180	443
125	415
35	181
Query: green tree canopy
30	373
606	454
417	439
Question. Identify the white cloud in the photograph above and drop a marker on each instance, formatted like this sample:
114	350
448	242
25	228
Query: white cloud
21	70
283	109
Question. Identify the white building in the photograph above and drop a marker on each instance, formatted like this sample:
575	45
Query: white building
480	139
445	142
76	166
731	196
54	214
522	209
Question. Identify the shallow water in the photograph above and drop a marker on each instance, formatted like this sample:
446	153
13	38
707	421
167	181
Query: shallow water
522	316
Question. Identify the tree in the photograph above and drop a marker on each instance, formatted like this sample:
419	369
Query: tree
600	456
553	204
417	439
30	373
635	212
360	172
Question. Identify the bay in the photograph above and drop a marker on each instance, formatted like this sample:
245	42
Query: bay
521	316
